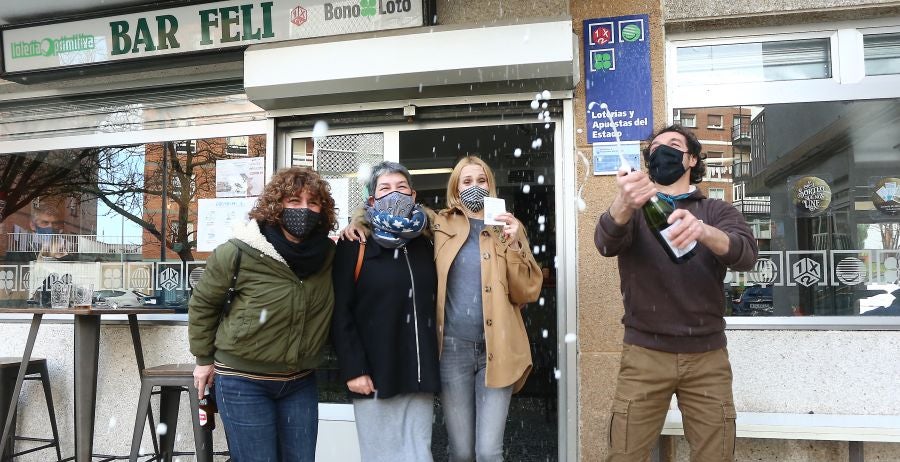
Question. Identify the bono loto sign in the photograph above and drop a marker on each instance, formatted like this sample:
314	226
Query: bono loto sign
196	28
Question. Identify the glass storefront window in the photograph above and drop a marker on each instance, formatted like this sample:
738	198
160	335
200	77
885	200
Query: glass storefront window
822	200
754	62
135	222
882	53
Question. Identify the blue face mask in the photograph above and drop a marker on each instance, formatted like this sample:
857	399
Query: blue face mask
47	230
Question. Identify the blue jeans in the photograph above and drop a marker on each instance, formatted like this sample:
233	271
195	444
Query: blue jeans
267	420
475	414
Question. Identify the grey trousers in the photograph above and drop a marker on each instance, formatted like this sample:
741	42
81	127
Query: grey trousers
395	429
475	414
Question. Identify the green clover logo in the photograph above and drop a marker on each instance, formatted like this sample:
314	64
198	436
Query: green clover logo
367	7
602	62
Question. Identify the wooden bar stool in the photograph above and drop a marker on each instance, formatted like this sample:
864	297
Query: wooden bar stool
36	370
172	380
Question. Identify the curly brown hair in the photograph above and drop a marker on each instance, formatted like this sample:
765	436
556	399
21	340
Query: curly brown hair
292	182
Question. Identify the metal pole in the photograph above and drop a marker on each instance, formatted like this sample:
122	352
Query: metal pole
165	189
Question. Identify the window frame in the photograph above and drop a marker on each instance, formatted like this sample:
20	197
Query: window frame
848	82
720	126
875	30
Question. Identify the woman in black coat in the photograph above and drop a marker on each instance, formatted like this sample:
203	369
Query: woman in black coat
383	327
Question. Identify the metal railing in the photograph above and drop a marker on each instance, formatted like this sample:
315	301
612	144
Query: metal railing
753	205
740	132
740	170
70	244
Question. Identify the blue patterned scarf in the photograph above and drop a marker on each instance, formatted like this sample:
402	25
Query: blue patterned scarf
392	231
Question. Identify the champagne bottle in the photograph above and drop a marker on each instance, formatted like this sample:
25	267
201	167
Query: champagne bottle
656	214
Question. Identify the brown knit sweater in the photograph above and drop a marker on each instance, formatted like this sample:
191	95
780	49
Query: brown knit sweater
671	307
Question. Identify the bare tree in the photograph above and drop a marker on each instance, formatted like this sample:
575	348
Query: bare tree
25	177
136	182
890	235
168	176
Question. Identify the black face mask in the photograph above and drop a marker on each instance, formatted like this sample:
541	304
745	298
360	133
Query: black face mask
299	222
666	165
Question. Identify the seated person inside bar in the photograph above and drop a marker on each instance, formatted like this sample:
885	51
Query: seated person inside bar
46	224
46	244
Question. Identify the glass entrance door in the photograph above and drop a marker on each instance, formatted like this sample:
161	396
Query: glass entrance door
522	158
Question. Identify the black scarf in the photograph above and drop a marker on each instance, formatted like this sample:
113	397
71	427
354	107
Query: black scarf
304	258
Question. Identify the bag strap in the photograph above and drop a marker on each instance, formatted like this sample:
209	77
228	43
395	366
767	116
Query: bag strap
359	261
229	296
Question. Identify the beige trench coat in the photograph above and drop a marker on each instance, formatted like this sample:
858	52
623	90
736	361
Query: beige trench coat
509	278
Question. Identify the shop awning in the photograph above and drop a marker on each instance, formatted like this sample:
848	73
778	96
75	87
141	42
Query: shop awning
428	62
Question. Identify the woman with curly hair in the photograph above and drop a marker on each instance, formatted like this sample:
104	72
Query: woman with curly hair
260	315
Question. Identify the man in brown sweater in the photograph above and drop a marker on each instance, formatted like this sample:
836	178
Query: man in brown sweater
674	313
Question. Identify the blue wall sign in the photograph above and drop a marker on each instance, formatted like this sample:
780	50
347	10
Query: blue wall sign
617	78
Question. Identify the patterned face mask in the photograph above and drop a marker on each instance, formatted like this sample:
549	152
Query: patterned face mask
395	203
299	222
473	198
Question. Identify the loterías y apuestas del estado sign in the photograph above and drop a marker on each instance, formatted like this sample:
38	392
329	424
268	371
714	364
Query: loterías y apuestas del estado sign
200	27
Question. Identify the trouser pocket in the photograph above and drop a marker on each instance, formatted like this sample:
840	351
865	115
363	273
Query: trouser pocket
730	433
618	426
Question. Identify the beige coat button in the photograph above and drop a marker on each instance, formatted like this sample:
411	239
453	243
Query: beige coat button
487	289
489	322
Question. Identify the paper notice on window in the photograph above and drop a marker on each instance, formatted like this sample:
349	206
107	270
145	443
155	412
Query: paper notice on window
216	219
243	177
493	206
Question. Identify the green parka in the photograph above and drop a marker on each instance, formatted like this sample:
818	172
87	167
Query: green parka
277	323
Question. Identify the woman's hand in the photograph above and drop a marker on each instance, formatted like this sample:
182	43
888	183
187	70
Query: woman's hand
361	385
354	232
510	229
203	377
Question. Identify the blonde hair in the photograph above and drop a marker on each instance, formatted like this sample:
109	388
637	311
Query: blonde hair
453	199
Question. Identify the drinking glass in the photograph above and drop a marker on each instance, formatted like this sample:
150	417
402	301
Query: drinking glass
60	295
83	296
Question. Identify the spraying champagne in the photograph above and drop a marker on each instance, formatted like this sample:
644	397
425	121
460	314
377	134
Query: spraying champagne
656	212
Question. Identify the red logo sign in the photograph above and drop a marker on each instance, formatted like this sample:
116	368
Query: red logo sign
601	35
298	15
